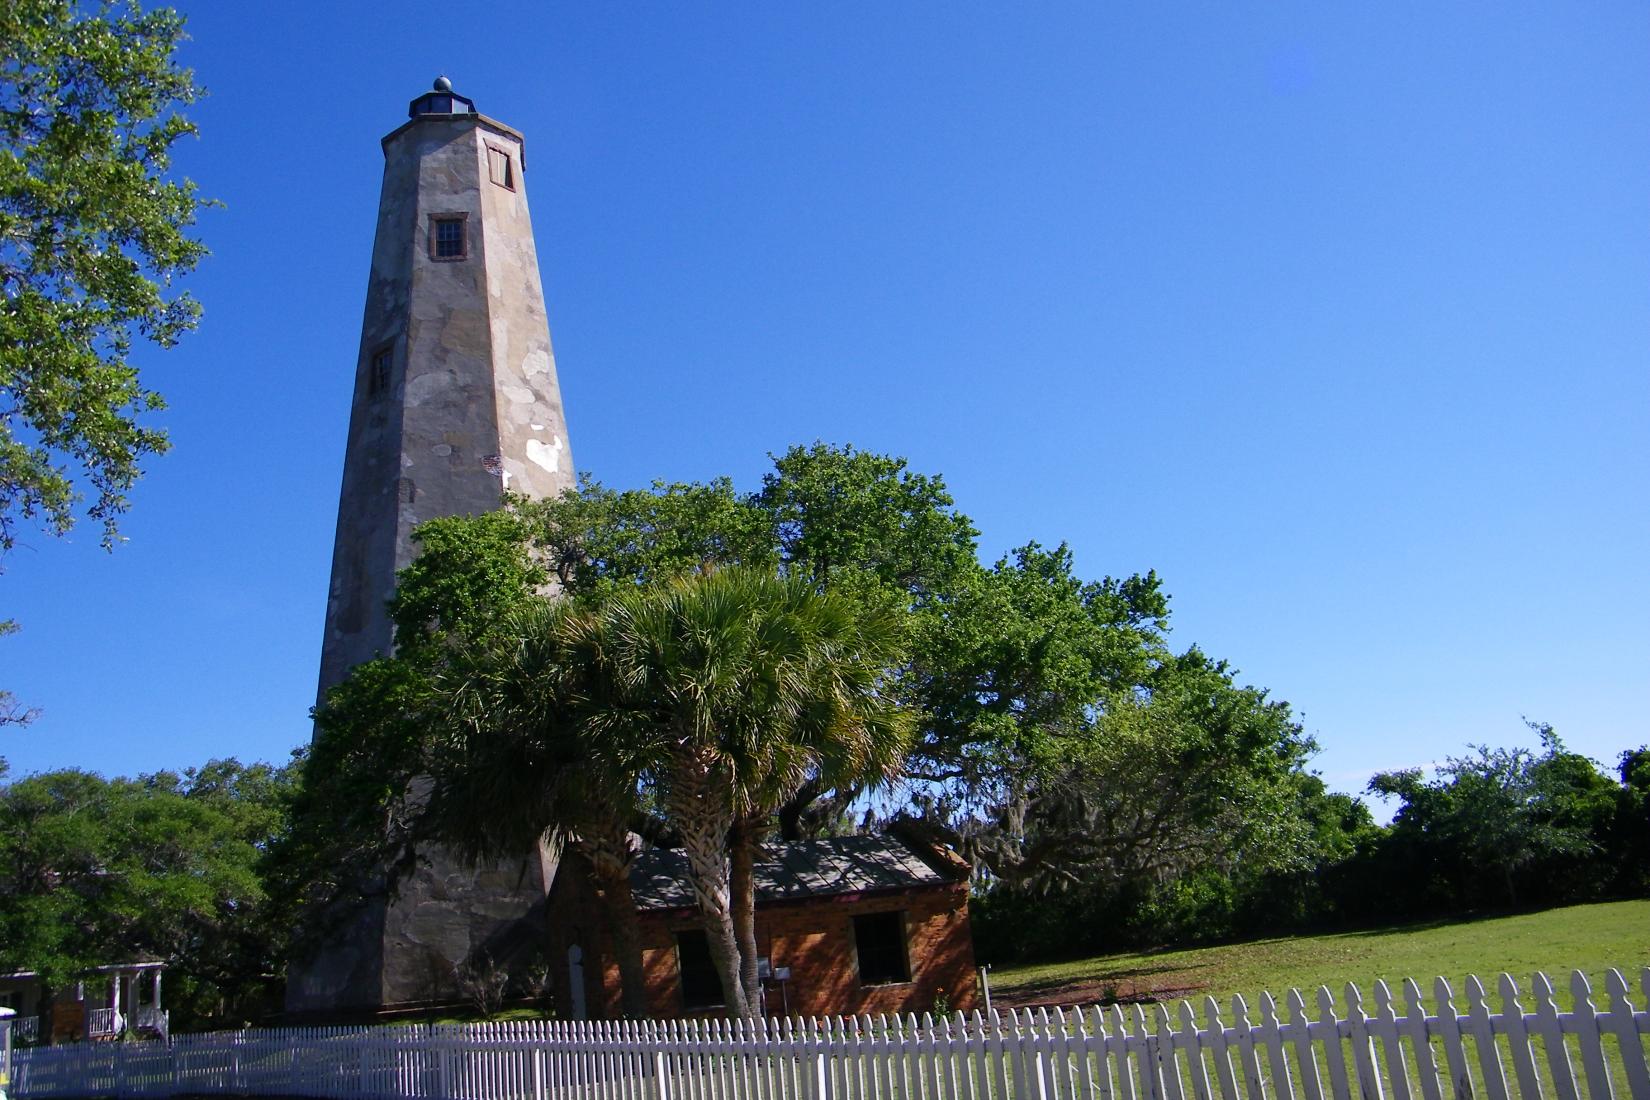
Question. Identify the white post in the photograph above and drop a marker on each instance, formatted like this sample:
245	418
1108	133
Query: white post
5	1050
661	1076
157	991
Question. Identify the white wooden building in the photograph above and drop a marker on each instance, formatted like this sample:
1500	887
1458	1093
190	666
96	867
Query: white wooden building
105	1002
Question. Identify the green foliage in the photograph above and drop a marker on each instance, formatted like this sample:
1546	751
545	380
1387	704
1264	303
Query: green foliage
597	541
1013	658
1628	848
350	820
860	525
832	510
1068	751
167	867
771	680
92	235
745	686
1489	822
470	572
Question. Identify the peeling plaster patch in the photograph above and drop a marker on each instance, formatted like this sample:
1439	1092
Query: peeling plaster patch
538	427
546	455
518	395
536	362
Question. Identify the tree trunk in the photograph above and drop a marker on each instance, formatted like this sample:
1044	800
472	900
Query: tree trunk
608	850
742	885
704	817
627	943
724	955
790	814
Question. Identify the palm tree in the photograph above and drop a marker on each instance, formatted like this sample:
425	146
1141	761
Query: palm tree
530	752
723	692
850	733
751	684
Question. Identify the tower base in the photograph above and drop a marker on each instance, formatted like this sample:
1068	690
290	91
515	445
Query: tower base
409	951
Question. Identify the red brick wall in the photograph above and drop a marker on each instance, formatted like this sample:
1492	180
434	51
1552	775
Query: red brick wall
575	915
814	938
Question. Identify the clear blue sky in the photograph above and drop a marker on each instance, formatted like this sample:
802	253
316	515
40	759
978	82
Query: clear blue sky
1337	316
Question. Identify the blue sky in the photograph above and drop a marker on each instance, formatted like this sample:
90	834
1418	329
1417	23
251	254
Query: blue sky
1337	316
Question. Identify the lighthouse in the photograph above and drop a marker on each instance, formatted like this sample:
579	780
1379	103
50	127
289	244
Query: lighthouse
455	401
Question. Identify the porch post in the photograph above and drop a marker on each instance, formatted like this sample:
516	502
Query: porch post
157	989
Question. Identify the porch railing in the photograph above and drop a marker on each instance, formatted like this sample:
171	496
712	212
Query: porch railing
24	1029
101	1022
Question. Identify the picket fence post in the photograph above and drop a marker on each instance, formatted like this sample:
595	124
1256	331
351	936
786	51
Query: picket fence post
1552	1036
1626	1031
1586	1022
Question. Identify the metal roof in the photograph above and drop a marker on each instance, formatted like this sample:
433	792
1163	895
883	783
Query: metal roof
791	870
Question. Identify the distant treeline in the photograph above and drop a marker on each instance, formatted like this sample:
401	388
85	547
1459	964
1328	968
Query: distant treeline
1497	829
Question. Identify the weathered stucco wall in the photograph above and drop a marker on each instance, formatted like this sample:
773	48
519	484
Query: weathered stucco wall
470	405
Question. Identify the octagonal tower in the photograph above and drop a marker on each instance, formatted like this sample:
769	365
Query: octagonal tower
455	401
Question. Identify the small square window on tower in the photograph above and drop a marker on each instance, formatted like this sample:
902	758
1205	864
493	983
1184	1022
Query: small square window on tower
447	237
499	168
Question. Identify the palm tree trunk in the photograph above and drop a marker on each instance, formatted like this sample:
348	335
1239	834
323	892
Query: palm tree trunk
627	944
724	954
704	819
742	885
608	850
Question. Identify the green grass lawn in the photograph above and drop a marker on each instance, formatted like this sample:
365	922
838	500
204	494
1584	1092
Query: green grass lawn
1591	938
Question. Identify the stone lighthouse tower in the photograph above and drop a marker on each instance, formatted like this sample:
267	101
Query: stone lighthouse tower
455	401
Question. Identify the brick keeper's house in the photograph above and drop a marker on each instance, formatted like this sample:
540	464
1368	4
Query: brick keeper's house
844	926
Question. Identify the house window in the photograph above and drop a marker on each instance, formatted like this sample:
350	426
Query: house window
701	985
499	168
879	941
378	372
447	237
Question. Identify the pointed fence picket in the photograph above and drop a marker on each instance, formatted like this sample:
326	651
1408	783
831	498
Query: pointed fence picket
1478	1050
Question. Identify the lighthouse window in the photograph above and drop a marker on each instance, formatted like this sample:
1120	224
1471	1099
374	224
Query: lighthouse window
378	374
447	238
499	168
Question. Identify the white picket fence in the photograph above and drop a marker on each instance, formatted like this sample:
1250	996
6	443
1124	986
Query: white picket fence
1401	1050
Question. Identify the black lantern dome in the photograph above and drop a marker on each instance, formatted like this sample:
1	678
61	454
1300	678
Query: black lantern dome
441	101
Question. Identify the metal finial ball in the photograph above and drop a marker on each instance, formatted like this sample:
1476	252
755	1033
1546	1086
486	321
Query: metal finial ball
442	84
